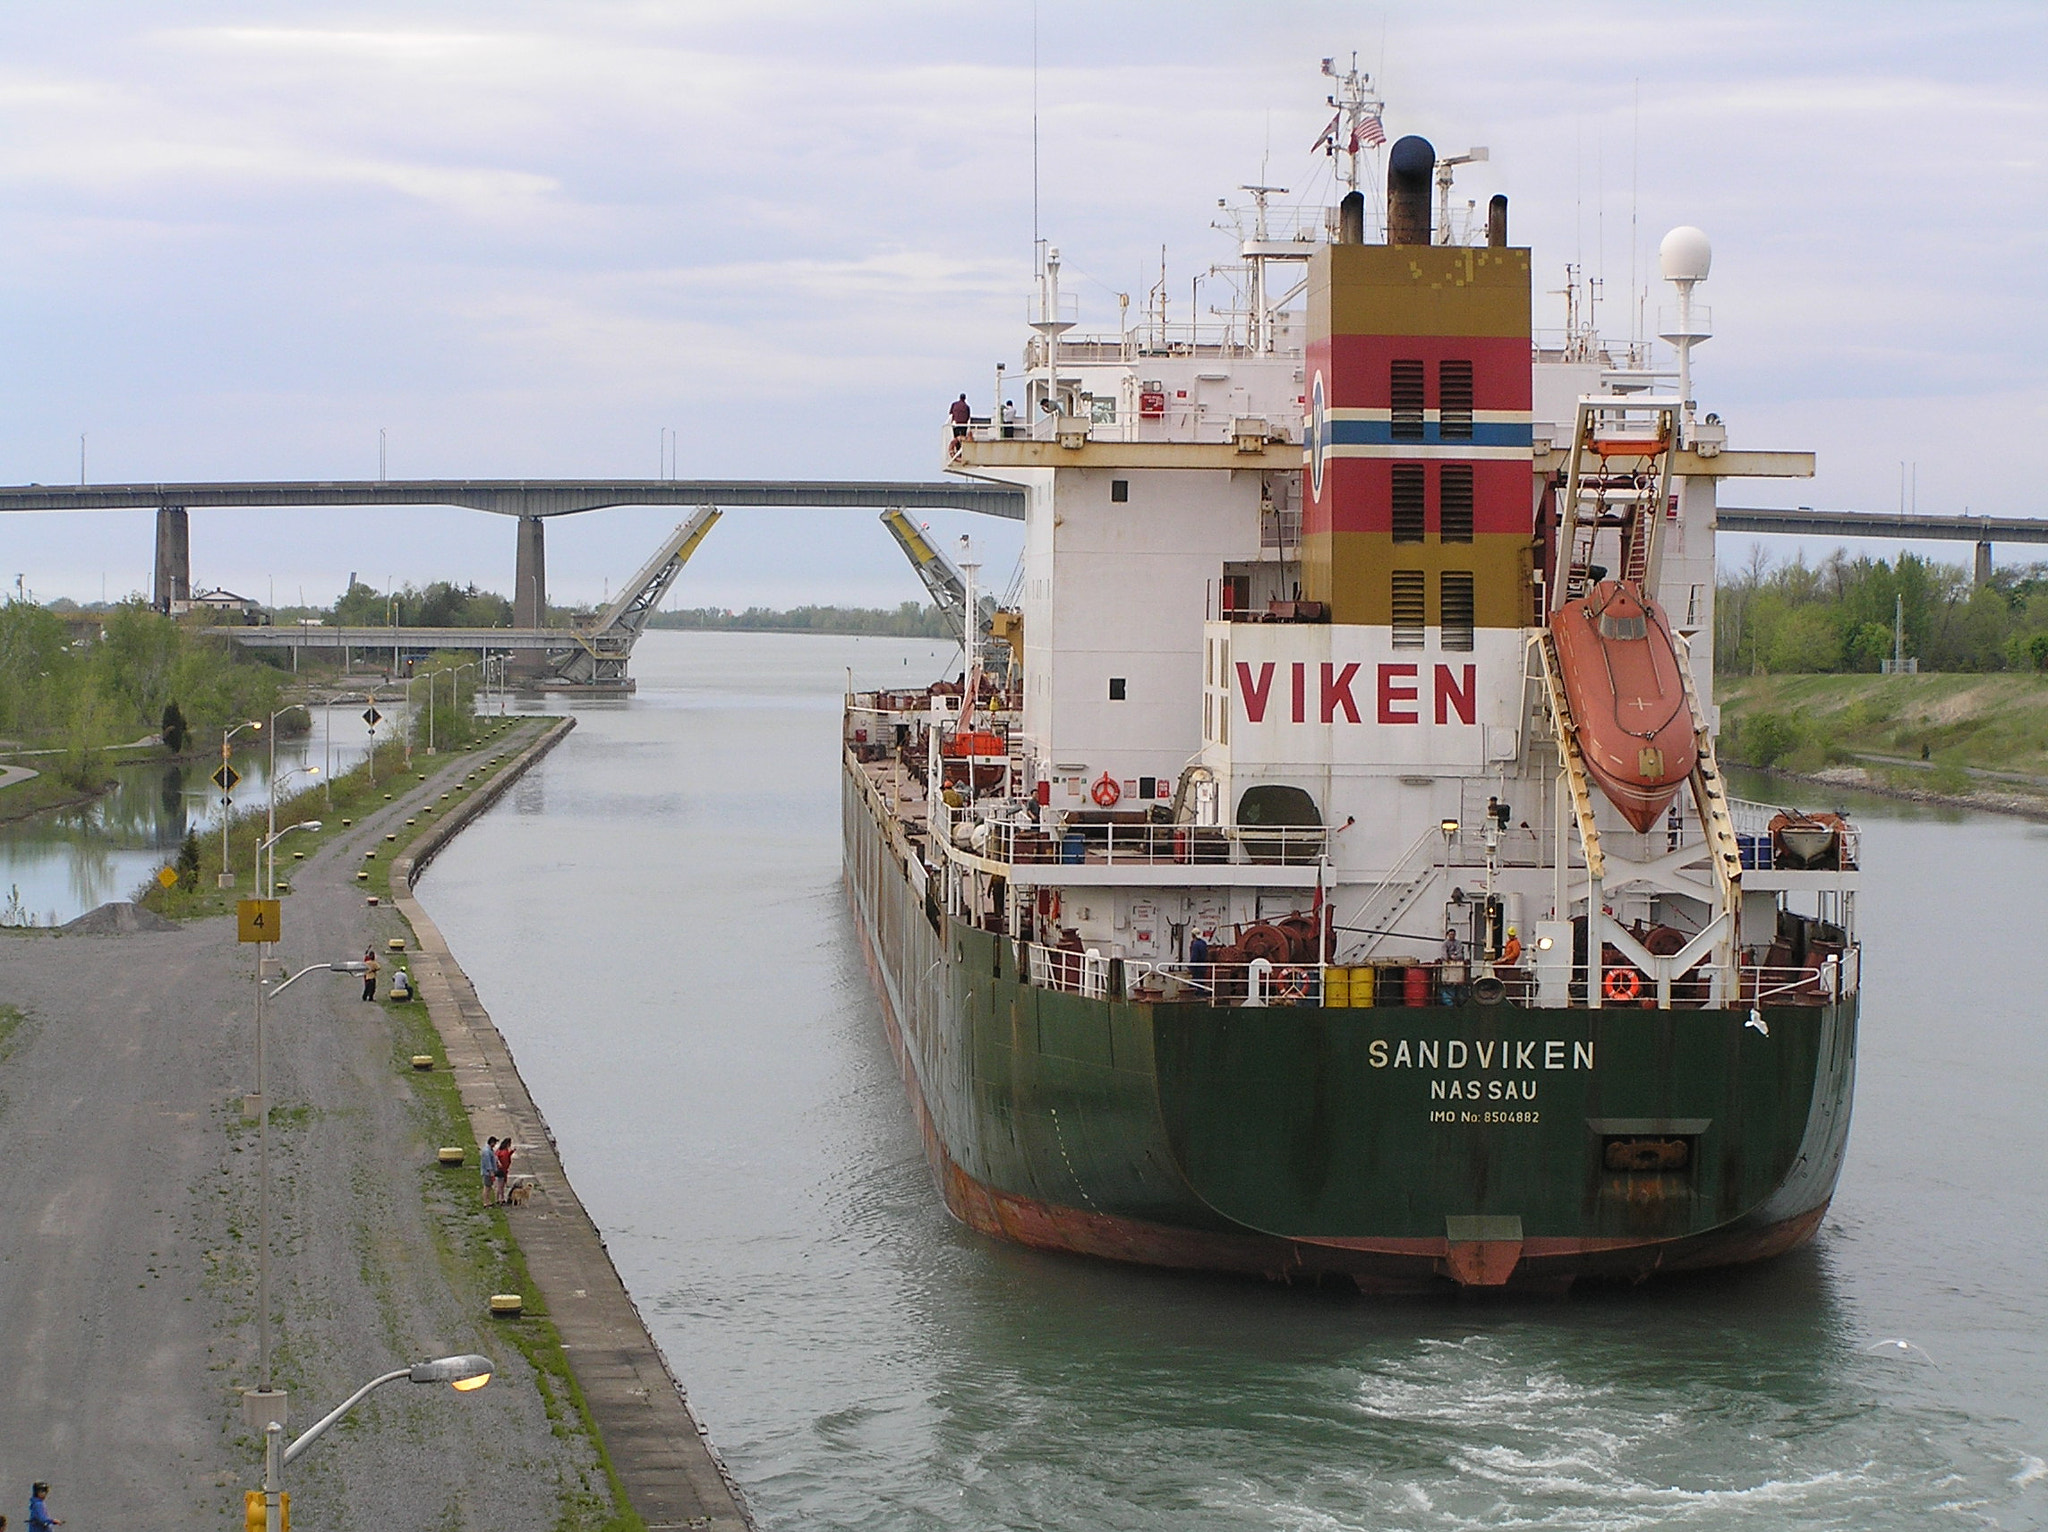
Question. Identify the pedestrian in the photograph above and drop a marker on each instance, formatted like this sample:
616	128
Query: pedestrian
369	973
39	1516
489	1166
962	415
504	1167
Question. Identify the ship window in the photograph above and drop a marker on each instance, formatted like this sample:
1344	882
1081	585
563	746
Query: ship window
1454	503
1270	803
1624	627
1116	688
1408	613
1408	503
1454	400
1119	490
1406	394
1103	411
1456	592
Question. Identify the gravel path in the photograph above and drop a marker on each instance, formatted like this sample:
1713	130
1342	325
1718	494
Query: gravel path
127	1220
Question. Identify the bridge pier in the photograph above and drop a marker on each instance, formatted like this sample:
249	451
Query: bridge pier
1983	563
530	592
173	557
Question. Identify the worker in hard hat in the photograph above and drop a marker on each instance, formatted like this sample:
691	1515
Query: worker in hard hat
1511	951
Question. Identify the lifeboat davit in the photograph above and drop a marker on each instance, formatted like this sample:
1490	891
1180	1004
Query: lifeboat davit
1620	671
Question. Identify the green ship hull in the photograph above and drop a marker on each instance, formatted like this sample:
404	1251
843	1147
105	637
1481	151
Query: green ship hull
1404	1148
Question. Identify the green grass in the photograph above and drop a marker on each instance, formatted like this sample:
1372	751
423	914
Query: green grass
1954	723
352	795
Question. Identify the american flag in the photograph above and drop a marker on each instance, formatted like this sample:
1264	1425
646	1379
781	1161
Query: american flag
1368	131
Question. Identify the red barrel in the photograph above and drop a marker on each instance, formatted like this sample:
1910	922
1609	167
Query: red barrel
1415	987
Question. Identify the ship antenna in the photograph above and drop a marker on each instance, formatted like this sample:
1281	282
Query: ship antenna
1034	129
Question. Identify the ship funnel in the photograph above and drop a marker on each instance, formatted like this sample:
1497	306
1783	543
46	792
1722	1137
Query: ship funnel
1351	219
1497	222
1409	168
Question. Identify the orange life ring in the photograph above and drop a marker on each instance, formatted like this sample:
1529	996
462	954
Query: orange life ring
1293	985
1621	984
1105	791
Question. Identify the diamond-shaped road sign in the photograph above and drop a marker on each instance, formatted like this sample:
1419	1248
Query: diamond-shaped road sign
168	877
371	717
225	777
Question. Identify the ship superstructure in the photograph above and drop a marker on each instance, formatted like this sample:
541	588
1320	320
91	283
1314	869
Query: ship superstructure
1326	868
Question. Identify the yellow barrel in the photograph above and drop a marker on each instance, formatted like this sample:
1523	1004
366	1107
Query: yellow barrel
1361	988
1336	987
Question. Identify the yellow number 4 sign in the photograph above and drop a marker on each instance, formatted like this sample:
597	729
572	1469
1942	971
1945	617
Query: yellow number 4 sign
258	920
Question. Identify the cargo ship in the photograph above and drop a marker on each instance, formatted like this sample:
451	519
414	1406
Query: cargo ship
1320	867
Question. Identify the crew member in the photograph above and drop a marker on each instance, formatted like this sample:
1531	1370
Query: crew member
962	415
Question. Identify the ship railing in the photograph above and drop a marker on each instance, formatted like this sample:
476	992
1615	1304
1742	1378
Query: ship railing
1108	844
1096	975
1832	978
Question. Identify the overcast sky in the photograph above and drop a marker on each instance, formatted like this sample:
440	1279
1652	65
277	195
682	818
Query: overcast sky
524	238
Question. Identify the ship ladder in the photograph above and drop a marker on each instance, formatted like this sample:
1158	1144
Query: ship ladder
1710	797
1567	736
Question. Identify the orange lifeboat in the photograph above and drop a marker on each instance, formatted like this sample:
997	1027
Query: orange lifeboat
1621	677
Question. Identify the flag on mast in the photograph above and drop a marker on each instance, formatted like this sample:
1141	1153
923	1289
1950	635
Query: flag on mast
1328	136
1368	131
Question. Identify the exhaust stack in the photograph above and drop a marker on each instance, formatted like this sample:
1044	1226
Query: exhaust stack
1351	219
1409	168
1497	222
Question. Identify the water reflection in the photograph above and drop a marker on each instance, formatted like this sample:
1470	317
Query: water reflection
64	863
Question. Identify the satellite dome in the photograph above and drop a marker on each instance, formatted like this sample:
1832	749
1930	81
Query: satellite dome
1685	255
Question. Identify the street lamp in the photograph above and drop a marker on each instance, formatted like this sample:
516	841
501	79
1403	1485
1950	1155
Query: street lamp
269	884
265	1397
464	1374
227	877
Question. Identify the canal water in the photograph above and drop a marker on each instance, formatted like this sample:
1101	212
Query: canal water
56	866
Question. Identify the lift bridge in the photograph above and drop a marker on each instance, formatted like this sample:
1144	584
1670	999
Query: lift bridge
583	656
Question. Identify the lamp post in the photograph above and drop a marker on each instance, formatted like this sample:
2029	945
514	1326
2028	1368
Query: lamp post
454	687
269	884
464	1374
227	876
264	1397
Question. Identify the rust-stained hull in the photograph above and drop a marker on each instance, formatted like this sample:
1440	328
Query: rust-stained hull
1270	1143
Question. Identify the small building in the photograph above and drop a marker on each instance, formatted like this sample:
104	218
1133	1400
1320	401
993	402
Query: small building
222	605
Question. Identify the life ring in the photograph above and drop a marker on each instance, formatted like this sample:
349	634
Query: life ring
1105	791
1622	984
1292	985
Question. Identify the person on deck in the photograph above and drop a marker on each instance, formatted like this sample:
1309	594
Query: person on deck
962	415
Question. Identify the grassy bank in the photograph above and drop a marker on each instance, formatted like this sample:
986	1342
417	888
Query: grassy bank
350	796
1972	738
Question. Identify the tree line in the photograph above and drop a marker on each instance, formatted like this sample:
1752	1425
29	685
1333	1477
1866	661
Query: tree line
1840	615
908	620
126	672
